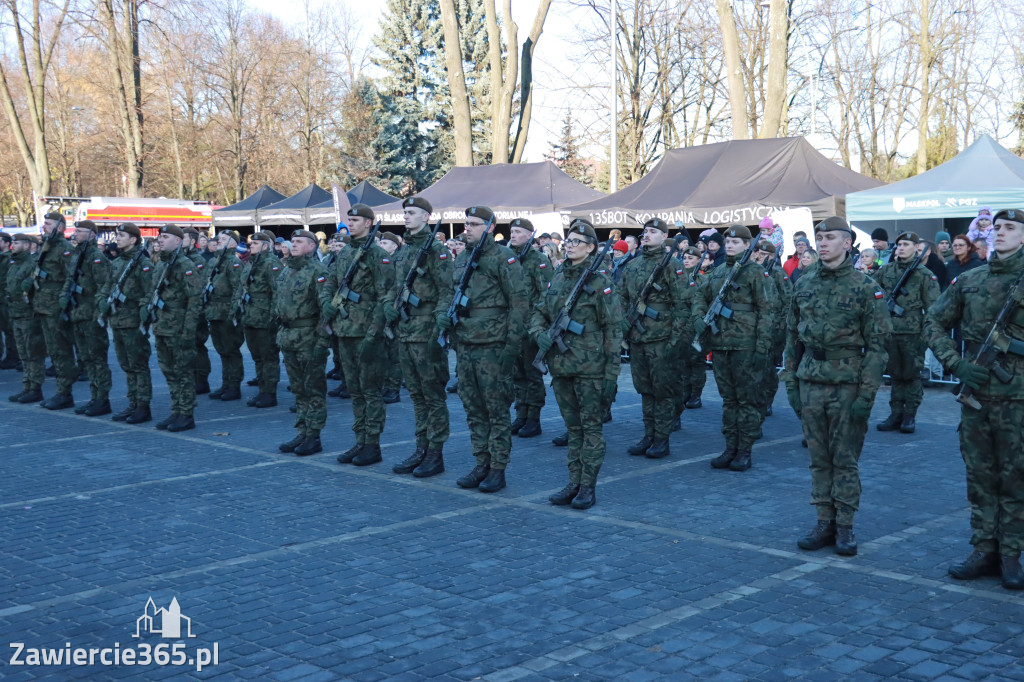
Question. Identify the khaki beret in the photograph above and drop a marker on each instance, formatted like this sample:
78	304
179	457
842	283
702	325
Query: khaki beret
361	210
418	202
130	228
482	212
23	237
173	229
304	233
691	251
738	232
53	215
390	236
231	233
191	232
834	224
583	227
264	237
766	246
909	236
5	237
657	224
522	223
1014	214
86	225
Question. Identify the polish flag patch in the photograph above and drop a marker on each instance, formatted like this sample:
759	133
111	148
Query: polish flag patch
321	280
146	269
188	272
954	280
511	260
67	253
443	256
385	261
933	276
235	265
878	294
100	260
767	274
607	290
543	265
275	268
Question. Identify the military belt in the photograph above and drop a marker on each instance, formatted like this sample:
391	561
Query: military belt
741	307
838	354
297	324
484	313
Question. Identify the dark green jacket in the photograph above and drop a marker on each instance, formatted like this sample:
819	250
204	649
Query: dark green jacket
669	298
53	260
922	291
93	276
259	280
752	303
225	274
21	267
137	288
303	303
430	285
373	279
537	274
181	295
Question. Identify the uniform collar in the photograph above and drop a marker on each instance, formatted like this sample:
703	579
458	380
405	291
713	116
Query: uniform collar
845	268
1012	263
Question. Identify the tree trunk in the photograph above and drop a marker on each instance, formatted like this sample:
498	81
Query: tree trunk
778	61
734	69
123	59
926	67
463	122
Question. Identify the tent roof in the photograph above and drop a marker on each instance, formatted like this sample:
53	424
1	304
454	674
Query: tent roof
512	190
365	193
740	181
292	211
243	214
984	174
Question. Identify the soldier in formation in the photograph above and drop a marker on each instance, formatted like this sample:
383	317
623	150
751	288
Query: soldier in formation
201	364
775	277
693	363
224	276
25	324
88	273
9	347
44	288
253	311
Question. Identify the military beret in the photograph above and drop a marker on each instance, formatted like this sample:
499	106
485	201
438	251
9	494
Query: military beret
264	237
305	233
5	237
390	236
361	210
461	237
86	225
657	224
1014	214
23	237
190	232
482	212
692	251
555	237
909	236
53	215
171	228
738	232
523	223
834	224
583	227
234	235
418	202
766	246
130	228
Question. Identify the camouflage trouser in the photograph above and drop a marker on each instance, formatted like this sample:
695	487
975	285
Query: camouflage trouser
528	382
364	375
60	347
28	334
176	357
906	361
336	353
770	380
580	402
309	386
694	374
7	328
648	362
93	345
741	390
202	356
266	356
486	393
227	341
992	445
132	350
834	441
392	379
425	368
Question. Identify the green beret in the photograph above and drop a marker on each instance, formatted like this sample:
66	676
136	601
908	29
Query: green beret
418	202
738	232
657	224
264	237
53	215
909	236
766	246
171	228
390	236
234	235
583	227
130	228
361	210
523	223
834	224
5	237
191	232
1014	214
482	212
691	251
86	225
307	234
23	237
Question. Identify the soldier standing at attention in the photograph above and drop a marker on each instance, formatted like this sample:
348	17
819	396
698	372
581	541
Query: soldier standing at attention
199	258
175	327
584	377
26	326
359	326
253	310
44	289
391	387
131	348
694	362
661	342
991	438
337	242
10	360
303	307
527	380
907	345
224	277
837	332
424	362
775	276
79	303
487	342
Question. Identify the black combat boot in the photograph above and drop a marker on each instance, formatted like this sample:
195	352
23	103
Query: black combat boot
494	482
123	414
432	464
585	498
658	450
370	454
725	459
390	397
264	400
641	446
59	401
741	462
255	381
407	465
292	444
978	565
16	397
530	429
822	535
1013	576
202	386
350	454
473	478
341	391
309	446
164	423
217	393
98	408
565	495
33	395
678	425
891	423
517	424
82	408
694	403
846	542
909	423
184	422
230	393
561	441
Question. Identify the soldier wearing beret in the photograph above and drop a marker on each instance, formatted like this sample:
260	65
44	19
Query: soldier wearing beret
303	307
9	346
776	277
424	363
837	331
223	278
175	326
26	325
88	272
907	344
991	438
134	270
694	362
661	340
583	378
487	340
253	312
528	382
337	242
359	326
44	289
191	250
391	382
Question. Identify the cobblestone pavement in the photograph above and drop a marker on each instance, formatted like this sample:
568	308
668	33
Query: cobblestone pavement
304	569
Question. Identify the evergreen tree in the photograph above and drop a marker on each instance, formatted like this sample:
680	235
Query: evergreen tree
566	155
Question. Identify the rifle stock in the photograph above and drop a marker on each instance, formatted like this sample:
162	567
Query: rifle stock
719	307
901	288
406	298
460	301
116	295
345	293
156	301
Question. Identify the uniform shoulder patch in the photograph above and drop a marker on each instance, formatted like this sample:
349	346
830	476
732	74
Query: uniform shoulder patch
878	294
275	268
385	261
145	268
235	265
954	280
680	271
767	274
67	253
511	260
542	266
935	278
188	272
607	290
98	260
442	256
321	279
693	284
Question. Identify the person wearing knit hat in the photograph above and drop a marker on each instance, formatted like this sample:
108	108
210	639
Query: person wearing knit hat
45	289
656	324
25	325
837	330
620	257
772	233
982	227
715	243
224	278
252	311
740	347
943	242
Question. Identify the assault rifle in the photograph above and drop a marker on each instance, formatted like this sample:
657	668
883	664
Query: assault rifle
563	321
72	287
526	249
901	288
639	308
116	294
156	301
405	297
39	274
460	301
236	318
997	343
208	289
345	292
718	307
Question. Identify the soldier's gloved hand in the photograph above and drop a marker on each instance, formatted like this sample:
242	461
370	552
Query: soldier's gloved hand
608	387
365	348
793	396
861	408
626	326
390	314
63	302
699	326
544	341
26	285
143	315
444	322
971	374
759	363
103	306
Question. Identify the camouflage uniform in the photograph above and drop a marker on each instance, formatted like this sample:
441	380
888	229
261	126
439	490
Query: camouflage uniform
694	367
201	364
259	280
57	333
360	335
907	345
175	329
91	340
783	292
527	380
27	327
304	293
992	438
131	348
9	346
225	279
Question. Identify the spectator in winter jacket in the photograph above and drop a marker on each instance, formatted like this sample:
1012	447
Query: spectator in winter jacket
981	228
